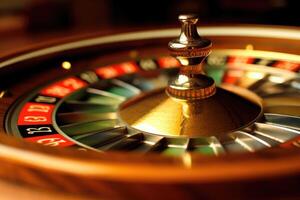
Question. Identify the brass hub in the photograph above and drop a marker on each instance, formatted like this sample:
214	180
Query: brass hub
191	105
155	112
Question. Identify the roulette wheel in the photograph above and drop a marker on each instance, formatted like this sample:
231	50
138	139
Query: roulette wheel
131	116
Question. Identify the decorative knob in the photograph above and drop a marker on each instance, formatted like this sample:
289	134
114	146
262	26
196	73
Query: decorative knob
189	43
190	49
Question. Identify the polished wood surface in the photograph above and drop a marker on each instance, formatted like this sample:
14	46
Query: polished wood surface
33	170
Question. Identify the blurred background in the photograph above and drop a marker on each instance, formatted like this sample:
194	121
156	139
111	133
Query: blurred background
24	22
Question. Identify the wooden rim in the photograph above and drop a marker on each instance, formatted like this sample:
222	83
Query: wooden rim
137	168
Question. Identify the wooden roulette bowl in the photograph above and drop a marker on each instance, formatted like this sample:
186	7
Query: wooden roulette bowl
62	137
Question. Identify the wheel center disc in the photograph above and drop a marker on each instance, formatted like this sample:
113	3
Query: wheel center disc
155	112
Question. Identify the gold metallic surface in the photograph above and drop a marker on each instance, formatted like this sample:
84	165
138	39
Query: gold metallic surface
156	113
183	93
190	50
189	43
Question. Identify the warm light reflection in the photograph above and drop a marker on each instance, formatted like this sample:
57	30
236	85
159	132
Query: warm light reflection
249	47
296	84
255	75
184	61
66	65
148	127
2	93
276	79
161	118
187	160
182	79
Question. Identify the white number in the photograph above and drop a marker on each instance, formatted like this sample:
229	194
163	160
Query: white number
51	141
35	119
39	130
38	108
